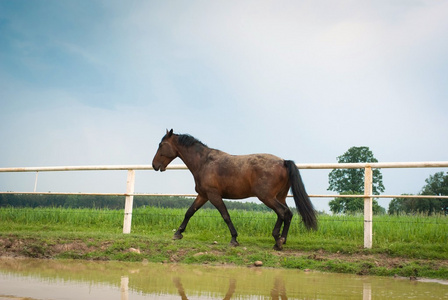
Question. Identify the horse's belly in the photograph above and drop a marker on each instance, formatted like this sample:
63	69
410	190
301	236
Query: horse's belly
236	195
236	189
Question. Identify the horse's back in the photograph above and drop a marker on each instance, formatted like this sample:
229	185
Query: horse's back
243	165
242	176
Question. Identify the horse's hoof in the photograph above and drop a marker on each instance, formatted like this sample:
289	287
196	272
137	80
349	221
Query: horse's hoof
279	244
178	236
234	243
277	247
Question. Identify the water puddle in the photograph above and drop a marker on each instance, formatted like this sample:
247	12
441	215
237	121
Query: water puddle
73	279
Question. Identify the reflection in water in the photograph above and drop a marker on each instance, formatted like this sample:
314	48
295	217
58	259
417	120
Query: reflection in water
366	291
180	288
124	289
279	290
56	279
177	282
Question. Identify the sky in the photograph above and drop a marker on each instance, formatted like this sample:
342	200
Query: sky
99	82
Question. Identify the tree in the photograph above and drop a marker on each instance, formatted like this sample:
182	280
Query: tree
436	185
351	181
403	205
353	205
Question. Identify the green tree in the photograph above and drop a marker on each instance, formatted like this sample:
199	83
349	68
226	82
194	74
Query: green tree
351	182
403	205
341	205
436	185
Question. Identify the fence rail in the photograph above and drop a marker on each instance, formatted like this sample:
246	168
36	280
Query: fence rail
379	165
194	195
130	183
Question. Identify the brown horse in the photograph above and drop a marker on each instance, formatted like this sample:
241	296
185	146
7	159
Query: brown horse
220	175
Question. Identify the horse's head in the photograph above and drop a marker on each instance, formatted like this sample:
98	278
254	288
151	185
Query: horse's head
166	152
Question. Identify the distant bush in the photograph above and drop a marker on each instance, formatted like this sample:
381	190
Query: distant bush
113	202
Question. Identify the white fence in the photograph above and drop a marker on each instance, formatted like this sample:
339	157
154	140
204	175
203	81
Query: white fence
130	183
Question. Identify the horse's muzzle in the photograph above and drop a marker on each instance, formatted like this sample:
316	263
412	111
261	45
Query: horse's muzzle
158	167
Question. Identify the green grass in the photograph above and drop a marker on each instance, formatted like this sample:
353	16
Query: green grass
405	236
420	243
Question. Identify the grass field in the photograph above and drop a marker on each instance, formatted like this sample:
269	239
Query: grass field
417	240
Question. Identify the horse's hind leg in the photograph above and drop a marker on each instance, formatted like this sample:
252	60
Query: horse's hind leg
277	228
197	204
286	224
284	216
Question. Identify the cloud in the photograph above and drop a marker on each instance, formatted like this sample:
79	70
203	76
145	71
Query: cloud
99	82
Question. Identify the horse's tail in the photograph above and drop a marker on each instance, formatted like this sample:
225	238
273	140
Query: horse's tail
303	203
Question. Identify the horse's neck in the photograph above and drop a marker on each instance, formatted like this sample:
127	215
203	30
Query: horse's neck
193	156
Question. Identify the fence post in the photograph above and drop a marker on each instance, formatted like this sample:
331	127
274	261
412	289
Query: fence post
368	213
124	288
35	181
130	183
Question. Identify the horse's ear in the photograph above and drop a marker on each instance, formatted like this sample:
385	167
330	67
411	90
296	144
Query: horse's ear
169	133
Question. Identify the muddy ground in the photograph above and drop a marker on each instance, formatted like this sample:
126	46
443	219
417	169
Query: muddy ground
358	263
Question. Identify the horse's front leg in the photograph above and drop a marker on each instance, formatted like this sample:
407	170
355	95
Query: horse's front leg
219	204
197	204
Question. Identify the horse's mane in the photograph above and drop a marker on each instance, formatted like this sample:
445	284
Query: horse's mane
188	141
